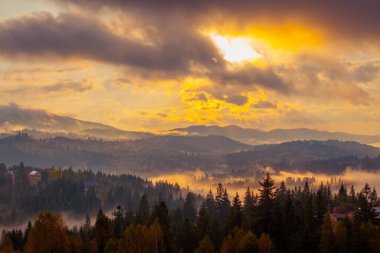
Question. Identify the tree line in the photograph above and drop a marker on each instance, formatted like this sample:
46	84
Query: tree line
76	192
272	219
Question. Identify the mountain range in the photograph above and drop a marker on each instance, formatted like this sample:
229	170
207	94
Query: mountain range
51	140
256	136
167	154
42	124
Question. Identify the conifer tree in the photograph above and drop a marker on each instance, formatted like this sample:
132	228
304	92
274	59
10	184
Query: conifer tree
119	224
235	217
189	209
161	214
143	212
249	209
203	224
210	204
103	231
327	237
265	205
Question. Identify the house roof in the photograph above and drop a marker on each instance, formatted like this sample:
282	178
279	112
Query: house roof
34	173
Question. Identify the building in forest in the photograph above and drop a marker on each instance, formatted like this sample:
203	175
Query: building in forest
34	177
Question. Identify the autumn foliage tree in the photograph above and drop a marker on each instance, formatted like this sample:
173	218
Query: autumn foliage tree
48	234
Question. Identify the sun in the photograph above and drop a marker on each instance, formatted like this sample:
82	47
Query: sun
235	49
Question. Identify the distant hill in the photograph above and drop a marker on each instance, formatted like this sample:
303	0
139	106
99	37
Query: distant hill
299	151
144	156
332	165
255	136
42	124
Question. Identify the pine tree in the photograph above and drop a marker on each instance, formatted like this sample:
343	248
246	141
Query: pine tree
189	209
210	204
341	237
222	204
265	205
249	209
352	195
371	233
327	237
321	204
203	224
373	197
102	231
119	224
161	214
364	212
187	237
235	217
87	224
143	212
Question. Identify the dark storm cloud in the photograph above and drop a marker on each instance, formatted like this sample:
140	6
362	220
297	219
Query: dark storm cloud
79	36
356	19
177	49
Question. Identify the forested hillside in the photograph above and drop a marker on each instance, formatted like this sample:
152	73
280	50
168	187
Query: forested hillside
75	193
274	219
289	153
157	155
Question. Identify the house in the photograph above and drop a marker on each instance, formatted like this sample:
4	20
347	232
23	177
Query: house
34	178
338	215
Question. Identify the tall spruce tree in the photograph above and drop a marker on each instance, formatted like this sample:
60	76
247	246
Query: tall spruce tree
143	212
189	209
265	205
249	209
235	216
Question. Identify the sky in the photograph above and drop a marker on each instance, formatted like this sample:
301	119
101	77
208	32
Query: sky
155	65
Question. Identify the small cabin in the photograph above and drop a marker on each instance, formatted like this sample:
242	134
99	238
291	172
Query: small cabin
34	177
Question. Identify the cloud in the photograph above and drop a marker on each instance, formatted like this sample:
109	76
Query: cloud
264	105
67	86
325	79
16	115
69	35
177	51
236	99
249	75
367	72
199	97
355	19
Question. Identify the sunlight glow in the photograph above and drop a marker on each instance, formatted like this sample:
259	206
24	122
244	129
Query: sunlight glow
235	49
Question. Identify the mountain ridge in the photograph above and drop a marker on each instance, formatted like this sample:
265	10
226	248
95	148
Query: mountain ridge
256	136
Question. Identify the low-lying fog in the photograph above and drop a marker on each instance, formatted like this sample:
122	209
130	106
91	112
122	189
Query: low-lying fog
201	181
